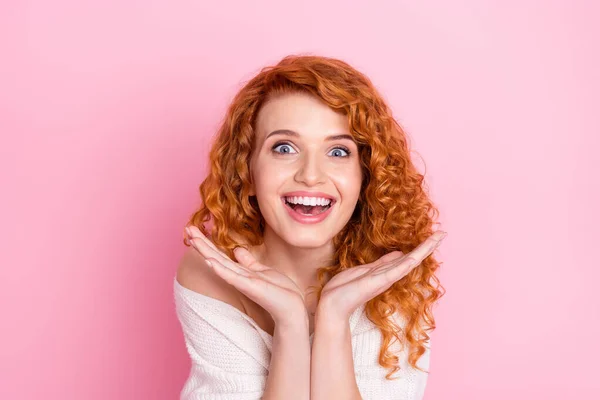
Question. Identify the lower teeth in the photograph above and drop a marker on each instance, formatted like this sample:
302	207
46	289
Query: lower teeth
319	211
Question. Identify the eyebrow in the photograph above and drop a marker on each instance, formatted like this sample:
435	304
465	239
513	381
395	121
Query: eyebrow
288	132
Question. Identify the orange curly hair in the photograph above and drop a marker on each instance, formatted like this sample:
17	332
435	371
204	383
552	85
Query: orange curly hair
393	211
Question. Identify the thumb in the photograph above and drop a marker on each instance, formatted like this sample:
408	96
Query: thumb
246	258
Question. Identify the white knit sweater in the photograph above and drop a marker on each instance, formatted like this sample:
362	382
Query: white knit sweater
231	354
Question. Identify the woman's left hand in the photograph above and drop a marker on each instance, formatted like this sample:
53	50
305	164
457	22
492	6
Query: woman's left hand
353	287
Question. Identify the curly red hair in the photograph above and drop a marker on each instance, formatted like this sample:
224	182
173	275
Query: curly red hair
393	212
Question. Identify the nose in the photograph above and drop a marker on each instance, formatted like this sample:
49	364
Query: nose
310	171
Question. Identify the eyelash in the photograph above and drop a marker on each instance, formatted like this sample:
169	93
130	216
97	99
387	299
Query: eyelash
347	150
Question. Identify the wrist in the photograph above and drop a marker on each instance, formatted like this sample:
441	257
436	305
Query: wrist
327	319
293	320
293	331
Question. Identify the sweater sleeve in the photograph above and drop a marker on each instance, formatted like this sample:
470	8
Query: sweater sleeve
229	361
231	355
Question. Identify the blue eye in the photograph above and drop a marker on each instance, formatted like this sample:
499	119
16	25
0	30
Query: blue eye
343	149
288	145
280	144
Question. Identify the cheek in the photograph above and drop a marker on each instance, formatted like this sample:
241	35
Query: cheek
270	177
348	180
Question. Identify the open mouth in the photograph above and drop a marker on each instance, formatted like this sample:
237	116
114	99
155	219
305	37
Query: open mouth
308	210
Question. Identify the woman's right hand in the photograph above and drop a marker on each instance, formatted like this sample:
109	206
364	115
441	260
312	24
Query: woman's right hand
266	286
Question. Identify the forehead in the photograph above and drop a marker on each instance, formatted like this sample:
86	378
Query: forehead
303	113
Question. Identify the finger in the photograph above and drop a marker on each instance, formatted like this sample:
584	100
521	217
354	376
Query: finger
389	275
354	273
395	272
360	270
423	250
250	284
389	258
418	254
228	270
247	260
208	251
205	246
195	235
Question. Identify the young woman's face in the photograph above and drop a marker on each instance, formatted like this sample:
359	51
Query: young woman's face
304	160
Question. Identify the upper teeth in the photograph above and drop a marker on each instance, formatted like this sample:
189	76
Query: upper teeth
309	201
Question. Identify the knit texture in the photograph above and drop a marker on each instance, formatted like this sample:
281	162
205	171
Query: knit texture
231	354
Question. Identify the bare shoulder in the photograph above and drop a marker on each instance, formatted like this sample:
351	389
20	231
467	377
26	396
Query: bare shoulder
194	274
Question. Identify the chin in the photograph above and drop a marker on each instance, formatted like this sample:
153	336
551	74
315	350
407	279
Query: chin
307	241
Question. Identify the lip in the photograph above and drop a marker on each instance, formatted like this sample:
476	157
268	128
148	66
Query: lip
306	219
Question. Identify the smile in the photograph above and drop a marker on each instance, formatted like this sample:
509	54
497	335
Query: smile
308	214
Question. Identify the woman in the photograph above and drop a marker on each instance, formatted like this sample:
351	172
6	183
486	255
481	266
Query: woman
310	186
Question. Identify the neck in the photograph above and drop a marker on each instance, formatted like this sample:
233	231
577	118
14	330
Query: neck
300	264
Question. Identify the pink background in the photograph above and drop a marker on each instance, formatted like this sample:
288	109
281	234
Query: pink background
107	109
